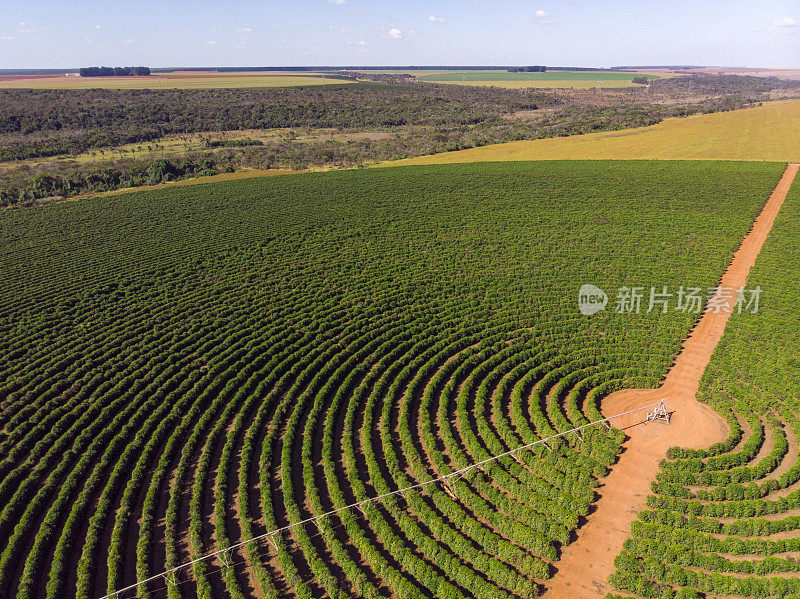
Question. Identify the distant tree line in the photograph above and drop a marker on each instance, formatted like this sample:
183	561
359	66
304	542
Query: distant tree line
114	71
41	123
531	69
323	69
390	78
705	84
450	67
4	72
579	69
672	67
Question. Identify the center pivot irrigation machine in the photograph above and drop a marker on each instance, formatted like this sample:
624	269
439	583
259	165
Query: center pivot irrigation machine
658	412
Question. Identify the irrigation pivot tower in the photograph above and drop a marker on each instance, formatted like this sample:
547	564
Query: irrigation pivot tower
658	413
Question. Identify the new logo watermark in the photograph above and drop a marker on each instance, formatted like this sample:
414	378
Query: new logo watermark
591	300
638	300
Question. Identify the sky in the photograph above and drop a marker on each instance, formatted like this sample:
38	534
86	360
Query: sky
66	34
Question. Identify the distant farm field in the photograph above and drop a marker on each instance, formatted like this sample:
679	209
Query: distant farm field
547	84
183	369
767	132
182	80
550	79
547	76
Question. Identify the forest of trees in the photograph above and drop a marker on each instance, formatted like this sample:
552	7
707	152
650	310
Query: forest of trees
703	84
39	123
114	71
533	69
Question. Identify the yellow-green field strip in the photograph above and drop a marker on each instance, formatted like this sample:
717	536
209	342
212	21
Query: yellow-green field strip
767	132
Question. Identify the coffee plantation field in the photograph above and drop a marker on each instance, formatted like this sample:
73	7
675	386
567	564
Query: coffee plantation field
724	522
187	368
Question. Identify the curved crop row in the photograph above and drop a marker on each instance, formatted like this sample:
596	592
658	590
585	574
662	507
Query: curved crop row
186	369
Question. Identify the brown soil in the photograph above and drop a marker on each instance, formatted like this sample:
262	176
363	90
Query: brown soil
791	455
587	563
18	77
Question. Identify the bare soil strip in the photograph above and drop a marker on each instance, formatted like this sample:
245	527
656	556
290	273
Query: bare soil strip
587	563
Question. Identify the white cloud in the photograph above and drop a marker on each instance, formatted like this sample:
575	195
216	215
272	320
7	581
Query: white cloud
362	43
245	30
6	38
128	41
435	19
784	22
396	33
337	1
211	43
542	17
98	26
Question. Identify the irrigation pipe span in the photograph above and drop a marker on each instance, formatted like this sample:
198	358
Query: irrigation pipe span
659	412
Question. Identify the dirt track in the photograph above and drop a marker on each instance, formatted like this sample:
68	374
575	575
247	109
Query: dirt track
587	563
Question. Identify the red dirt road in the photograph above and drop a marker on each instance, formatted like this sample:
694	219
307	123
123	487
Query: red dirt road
587	563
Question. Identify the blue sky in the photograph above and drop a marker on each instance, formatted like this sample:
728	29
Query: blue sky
61	34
